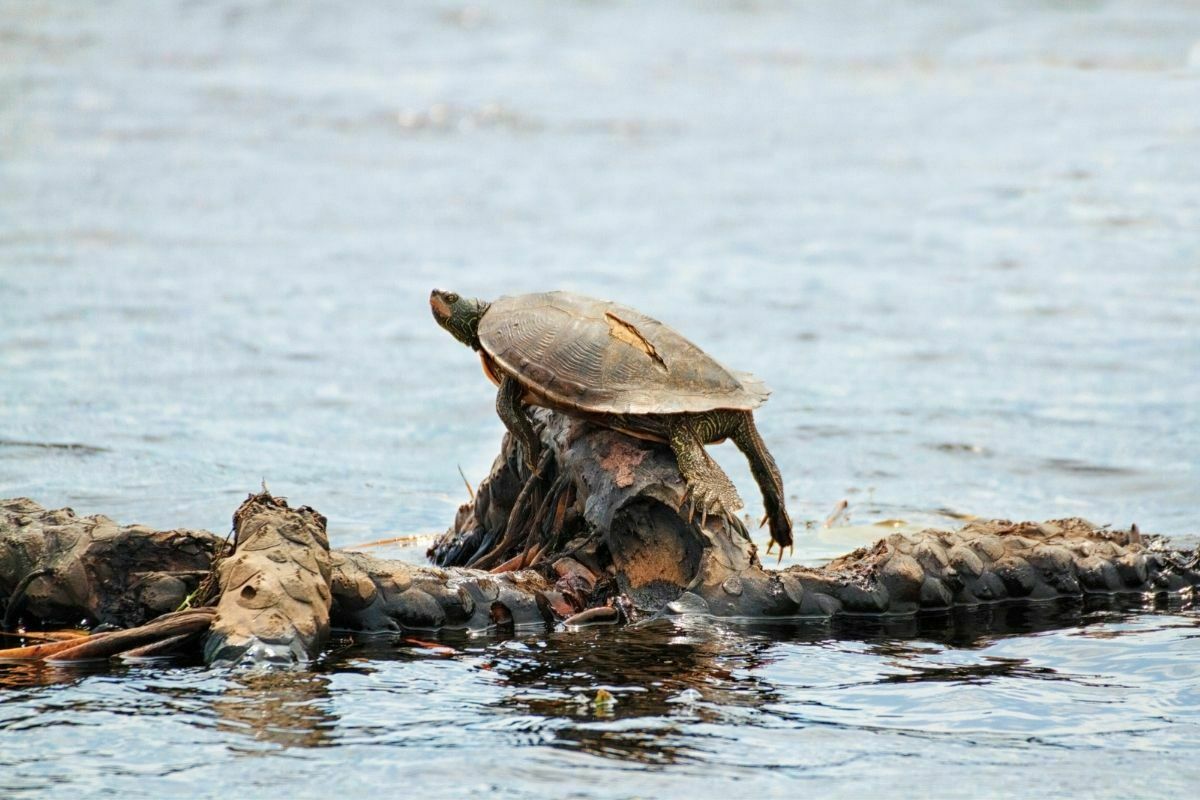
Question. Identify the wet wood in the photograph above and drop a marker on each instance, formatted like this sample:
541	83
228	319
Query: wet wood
611	502
94	568
602	615
624	525
594	535
171	645
381	595
106	645
275	587
36	652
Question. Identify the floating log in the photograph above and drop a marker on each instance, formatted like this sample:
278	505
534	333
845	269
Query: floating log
597	525
618	515
274	588
59	568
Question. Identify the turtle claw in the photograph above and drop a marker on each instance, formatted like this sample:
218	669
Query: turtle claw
709	504
688	499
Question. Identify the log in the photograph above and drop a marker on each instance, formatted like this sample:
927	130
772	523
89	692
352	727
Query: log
609	501
597	525
59	568
278	594
274	588
617	514
933	571
374	595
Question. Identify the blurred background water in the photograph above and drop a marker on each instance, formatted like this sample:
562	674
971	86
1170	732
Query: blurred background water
960	241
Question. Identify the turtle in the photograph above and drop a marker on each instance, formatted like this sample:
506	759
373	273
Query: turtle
621	369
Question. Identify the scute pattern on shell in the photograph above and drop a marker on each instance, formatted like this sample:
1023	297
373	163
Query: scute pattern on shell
564	346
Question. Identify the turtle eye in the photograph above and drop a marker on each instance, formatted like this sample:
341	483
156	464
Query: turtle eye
452	298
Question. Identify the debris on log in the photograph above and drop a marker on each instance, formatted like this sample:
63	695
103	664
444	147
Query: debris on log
175	628
274	597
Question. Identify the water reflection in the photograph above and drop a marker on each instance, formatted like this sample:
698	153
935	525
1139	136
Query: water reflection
21	674
652	671
279	708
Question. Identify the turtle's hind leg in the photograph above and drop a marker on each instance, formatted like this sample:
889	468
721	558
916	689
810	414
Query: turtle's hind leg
745	436
707	484
512	413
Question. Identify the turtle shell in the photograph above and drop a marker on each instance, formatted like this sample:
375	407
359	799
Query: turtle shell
601	357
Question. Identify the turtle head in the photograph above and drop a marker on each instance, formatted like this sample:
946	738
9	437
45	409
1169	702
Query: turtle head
459	315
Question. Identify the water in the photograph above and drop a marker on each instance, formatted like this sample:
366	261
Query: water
959	243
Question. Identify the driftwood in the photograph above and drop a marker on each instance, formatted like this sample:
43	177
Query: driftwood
57	567
277	594
594	536
274	589
617	513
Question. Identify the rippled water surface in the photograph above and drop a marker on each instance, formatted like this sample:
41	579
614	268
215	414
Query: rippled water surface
960	241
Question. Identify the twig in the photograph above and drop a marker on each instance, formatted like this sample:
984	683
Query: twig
467	483
416	537
17	599
838	512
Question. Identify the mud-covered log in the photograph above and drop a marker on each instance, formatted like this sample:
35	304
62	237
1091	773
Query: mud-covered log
621	519
57	567
377	595
274	589
282	558
932	571
607	500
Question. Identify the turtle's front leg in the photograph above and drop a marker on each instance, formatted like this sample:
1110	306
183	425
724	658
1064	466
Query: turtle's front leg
709	486
512	413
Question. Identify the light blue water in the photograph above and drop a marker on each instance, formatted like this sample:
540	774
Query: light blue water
960	243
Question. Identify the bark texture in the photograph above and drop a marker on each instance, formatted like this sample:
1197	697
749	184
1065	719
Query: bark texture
985	562
378	596
58	568
597	525
276	595
610	502
274	589
618	515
